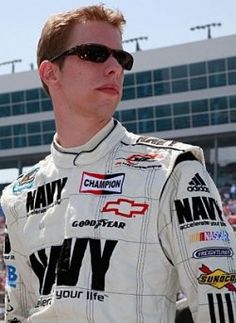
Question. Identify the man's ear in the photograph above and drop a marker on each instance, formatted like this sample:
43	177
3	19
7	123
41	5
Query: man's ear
48	72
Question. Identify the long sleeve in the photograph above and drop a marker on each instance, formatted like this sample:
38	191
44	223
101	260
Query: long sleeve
199	243
19	297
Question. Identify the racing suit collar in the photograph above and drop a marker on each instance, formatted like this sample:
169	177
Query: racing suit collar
67	158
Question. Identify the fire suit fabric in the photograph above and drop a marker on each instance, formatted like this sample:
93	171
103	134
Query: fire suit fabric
112	234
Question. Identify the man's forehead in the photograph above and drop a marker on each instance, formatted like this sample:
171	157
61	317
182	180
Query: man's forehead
95	32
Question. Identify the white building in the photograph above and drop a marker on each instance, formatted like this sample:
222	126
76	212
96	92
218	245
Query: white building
185	92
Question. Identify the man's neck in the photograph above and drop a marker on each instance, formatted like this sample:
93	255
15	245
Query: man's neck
78	132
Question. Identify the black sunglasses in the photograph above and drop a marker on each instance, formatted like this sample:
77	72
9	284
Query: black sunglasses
98	54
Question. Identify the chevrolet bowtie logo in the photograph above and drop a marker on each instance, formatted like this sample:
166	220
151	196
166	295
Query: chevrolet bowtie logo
125	207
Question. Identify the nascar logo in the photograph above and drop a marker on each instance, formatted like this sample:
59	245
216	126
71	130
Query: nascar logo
210	236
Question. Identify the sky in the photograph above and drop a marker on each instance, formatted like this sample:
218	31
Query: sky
164	22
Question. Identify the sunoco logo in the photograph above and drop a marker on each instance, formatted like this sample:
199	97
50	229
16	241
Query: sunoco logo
217	278
101	184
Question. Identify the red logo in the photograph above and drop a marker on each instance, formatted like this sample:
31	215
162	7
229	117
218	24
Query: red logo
125	207
142	160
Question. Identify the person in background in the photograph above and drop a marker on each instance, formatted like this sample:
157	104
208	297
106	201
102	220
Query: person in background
111	225
233	191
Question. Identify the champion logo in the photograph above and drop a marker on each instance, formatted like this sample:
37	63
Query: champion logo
100	184
197	184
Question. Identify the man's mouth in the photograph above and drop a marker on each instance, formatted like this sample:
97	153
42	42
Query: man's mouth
109	89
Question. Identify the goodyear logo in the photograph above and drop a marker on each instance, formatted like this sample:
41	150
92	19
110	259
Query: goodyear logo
217	278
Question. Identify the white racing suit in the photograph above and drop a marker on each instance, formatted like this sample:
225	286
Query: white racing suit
112	234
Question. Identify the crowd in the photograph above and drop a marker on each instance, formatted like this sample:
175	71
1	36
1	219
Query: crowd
228	197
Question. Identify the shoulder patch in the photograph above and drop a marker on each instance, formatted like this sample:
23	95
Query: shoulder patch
25	181
152	141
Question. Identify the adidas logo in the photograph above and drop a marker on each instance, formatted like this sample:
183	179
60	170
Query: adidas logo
197	184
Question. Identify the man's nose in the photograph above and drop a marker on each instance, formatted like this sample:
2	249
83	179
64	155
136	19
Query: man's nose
113	66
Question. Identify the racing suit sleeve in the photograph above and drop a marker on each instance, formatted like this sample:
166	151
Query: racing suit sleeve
19	297
198	241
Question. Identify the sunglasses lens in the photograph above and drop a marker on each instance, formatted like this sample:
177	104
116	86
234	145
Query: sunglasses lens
124	59
94	53
99	54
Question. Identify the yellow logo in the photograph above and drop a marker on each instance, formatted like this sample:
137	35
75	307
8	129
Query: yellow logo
217	278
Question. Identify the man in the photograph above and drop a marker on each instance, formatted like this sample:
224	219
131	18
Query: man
111	225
